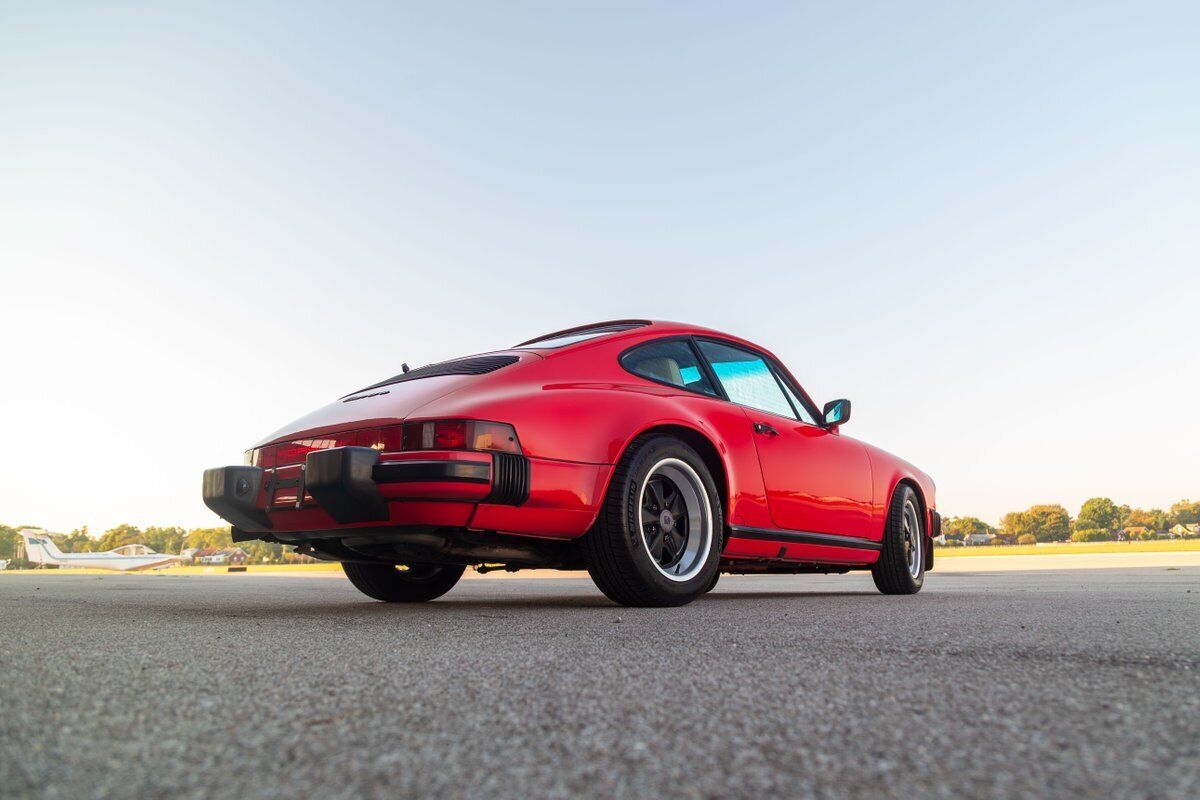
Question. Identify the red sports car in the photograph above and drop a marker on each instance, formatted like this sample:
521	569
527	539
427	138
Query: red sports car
654	454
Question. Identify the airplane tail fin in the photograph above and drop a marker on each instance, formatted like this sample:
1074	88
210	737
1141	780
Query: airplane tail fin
39	547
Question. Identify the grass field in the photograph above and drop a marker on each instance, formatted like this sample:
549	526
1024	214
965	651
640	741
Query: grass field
1073	548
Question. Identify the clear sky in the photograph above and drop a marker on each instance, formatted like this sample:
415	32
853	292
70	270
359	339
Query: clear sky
981	223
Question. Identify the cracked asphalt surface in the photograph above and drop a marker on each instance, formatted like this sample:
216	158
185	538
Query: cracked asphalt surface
1056	683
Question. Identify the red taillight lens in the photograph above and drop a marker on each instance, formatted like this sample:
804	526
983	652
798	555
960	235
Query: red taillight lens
460	435
382	439
442	434
449	436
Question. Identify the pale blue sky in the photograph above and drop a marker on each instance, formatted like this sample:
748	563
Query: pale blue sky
978	223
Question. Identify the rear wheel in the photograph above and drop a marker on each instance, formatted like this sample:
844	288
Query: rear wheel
410	583
657	539
901	565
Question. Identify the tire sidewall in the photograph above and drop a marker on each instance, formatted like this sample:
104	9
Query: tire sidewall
905	496
644	460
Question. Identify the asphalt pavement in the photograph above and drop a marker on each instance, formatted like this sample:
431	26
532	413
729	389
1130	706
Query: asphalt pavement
1082	683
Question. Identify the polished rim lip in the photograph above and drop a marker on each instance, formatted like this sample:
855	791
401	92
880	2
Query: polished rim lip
704	529
912	532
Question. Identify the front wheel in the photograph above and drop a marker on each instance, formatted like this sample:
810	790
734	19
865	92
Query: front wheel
713	583
409	583
657	539
901	565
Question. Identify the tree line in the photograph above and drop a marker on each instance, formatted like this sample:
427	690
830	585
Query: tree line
1099	520
170	540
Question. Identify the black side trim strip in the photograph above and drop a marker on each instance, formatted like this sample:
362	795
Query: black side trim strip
432	472
804	537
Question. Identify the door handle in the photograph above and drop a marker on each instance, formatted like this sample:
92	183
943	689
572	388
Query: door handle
764	428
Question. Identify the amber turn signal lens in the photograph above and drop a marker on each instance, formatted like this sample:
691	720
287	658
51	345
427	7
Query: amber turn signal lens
458	434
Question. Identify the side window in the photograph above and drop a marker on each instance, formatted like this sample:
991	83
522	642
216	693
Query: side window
669	362
747	379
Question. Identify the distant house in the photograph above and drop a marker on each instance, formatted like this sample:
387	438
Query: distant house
230	555
978	538
1184	531
236	555
189	553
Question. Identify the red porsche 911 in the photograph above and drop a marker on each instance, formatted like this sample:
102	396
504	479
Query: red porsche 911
654	454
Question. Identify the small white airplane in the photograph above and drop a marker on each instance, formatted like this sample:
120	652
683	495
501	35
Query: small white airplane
40	549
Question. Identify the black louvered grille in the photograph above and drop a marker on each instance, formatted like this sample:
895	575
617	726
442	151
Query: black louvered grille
476	365
510	480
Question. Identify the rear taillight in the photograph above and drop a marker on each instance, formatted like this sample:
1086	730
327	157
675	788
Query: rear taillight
441	434
460	434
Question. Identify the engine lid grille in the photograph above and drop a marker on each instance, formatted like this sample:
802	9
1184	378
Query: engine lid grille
474	365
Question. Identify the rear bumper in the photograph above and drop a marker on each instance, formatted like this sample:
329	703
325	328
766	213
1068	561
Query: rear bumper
351	485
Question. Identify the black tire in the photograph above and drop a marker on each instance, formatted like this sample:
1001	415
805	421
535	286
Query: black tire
417	584
891	572
614	551
713	583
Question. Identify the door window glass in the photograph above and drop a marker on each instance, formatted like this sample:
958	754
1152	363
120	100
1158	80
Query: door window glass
798	404
747	379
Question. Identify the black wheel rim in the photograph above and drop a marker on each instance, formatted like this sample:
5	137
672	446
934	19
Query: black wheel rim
664	521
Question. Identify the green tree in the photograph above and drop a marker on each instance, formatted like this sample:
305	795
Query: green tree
1098	513
1137	518
77	541
1046	523
209	537
164	540
962	527
1015	525
1091	535
116	537
1051	523
1185	513
8	541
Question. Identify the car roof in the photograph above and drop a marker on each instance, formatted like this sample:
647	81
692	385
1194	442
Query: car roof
620	329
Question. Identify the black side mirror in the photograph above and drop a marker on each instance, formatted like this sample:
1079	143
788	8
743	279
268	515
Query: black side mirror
836	412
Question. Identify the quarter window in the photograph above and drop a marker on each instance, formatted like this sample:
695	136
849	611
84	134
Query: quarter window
672	362
747	379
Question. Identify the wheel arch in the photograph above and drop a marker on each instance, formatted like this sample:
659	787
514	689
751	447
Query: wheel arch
705	448
923	505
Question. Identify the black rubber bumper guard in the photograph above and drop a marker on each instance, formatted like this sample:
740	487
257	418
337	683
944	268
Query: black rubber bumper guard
935	530
344	481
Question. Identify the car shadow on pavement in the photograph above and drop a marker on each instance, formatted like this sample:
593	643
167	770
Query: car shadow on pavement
776	595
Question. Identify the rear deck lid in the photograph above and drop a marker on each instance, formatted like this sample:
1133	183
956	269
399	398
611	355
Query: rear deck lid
395	399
